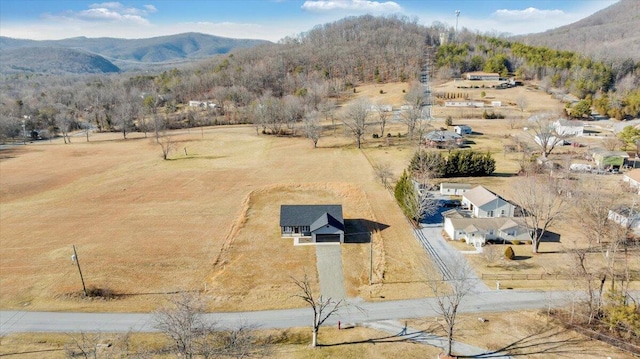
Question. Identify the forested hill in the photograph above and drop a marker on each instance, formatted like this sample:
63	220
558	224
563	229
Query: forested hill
135	52
53	61
610	34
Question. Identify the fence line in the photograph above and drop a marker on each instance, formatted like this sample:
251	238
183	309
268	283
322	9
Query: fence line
541	276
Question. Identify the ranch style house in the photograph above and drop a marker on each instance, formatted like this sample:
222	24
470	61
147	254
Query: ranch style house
309	224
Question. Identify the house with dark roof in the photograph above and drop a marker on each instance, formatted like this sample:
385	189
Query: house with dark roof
310	224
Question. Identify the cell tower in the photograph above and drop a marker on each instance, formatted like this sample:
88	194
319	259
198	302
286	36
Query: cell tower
425	79
456	33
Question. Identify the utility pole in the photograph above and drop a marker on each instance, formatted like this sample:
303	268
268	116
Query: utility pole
371	259
75	259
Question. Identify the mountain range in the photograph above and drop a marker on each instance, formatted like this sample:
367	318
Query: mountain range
609	34
102	55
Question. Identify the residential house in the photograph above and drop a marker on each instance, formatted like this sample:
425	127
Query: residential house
202	104
462	130
463	104
564	127
605	159
633	178
454	189
477	231
484	76
625	216
483	203
442	139
309	224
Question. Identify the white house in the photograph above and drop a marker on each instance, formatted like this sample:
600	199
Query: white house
463	104
496	103
462	130
203	104
477	231
454	189
633	178
565	127
625	216
483	203
486	76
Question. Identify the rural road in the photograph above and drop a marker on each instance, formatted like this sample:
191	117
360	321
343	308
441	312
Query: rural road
490	301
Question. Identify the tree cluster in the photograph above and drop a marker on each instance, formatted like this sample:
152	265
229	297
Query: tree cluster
459	163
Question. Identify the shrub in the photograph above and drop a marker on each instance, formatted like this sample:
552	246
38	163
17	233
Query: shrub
381	91
449	121
509	254
515	242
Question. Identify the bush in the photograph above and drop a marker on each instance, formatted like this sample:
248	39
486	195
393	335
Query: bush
515	242
509	253
449	121
381	91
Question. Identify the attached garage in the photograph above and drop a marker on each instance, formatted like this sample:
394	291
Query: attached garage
324	238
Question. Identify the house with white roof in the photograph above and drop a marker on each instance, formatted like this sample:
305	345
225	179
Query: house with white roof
483	203
459	225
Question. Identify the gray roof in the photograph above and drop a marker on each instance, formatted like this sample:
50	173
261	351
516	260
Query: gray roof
308	214
480	196
326	219
442	136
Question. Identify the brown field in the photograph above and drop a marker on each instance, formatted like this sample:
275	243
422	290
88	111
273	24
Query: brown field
530	332
203	221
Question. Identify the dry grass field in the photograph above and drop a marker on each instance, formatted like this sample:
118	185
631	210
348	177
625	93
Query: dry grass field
207	220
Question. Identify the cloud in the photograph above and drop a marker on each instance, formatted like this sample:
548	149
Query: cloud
108	12
351	5
529	14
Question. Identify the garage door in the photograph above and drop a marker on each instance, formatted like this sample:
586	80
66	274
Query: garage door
327	238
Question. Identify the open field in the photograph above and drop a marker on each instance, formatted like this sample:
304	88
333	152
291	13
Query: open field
527	333
144	227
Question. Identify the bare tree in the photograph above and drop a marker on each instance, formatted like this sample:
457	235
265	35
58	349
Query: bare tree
543	132
383	116
412	109
83	345
355	118
612	143
594	203
522	103
312	129
167	144
448	297
544	200
64	121
323	308
383	172
182	321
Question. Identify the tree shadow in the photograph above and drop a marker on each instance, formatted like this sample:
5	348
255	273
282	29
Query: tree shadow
358	230
31	352
394	338
521	258
545	341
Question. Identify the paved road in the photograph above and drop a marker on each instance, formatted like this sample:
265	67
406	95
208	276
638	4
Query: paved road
446	258
490	301
329	263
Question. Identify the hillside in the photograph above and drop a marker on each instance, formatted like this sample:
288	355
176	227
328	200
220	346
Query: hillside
127	53
612	33
53	60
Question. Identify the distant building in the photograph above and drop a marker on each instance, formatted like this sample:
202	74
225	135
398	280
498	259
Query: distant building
484	76
569	127
625	216
462	130
454	189
442	139
463	104
202	104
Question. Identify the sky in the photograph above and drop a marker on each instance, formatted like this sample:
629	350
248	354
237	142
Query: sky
272	19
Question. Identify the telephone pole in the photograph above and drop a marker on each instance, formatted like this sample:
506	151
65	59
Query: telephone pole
74	258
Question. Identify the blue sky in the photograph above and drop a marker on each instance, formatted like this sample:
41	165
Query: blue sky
271	19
